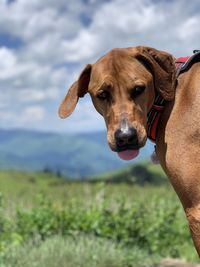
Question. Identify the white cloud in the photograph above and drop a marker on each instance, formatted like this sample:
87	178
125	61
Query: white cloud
29	115
7	59
135	22
33	113
36	95
190	29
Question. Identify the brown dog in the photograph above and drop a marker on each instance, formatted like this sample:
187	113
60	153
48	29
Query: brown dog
123	85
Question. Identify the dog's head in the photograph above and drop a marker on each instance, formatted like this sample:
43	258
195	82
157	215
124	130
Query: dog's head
122	85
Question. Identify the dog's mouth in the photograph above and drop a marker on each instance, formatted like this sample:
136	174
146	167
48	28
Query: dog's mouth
128	154
127	148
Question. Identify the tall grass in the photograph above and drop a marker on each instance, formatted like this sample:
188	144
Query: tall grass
84	251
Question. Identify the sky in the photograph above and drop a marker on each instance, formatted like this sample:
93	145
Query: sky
44	44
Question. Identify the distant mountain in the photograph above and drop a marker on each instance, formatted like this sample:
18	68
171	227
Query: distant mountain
76	155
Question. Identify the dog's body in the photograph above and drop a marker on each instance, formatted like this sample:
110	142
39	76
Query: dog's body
123	85
178	146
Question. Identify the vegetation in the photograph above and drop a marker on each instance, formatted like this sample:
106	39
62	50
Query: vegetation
82	251
88	224
138	174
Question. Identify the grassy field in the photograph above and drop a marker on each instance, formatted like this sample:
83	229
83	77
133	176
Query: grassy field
77	252
46	221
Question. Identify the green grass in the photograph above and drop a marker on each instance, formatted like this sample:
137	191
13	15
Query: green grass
21	188
84	251
46	221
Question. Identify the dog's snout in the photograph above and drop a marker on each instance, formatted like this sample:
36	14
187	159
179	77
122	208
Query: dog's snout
126	138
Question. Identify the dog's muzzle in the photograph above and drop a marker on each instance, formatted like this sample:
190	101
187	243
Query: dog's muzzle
126	139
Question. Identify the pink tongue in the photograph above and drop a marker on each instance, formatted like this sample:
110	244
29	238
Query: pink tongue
128	154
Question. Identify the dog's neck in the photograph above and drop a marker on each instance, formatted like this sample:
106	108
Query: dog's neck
154	115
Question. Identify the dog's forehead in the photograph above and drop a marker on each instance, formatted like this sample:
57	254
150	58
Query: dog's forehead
118	64
114	58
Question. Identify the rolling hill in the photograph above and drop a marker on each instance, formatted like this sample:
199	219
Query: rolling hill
141	173
77	155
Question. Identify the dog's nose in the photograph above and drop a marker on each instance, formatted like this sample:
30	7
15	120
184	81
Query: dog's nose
126	138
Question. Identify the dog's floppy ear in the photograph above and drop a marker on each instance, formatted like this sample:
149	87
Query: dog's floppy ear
78	89
162	66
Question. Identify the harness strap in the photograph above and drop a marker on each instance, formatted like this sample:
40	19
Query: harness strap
153	117
180	64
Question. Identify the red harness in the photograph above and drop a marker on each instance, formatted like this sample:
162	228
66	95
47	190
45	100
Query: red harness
153	117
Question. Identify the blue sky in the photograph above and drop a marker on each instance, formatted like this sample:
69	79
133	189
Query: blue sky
45	44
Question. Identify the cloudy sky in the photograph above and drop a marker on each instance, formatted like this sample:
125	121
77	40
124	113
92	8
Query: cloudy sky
44	44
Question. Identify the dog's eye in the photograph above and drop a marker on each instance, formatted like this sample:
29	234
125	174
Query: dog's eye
138	90
103	95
